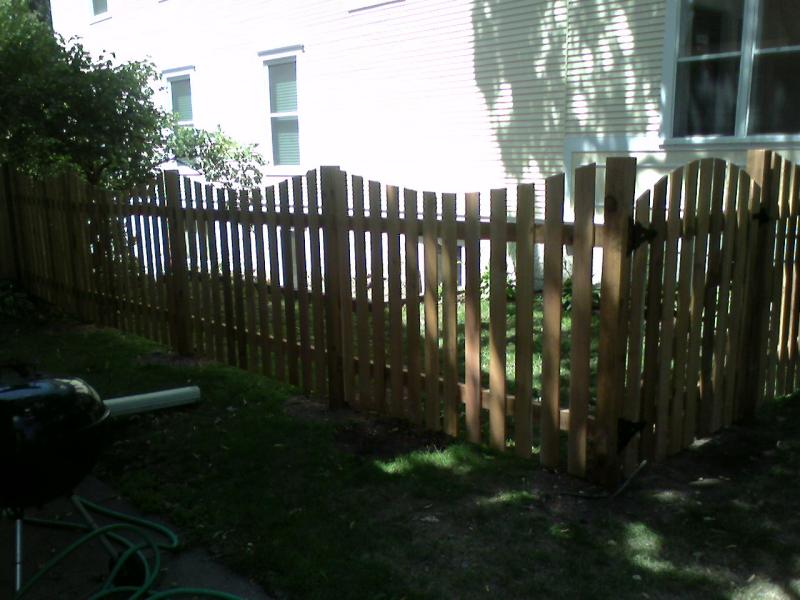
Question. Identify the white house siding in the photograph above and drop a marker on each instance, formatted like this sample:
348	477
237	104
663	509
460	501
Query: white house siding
446	95
435	94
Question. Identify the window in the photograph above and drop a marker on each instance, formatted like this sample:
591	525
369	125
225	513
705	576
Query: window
99	7
284	125
182	99
736	68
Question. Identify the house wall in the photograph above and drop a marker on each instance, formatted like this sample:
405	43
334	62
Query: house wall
448	95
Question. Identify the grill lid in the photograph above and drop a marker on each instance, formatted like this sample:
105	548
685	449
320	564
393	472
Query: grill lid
48	407
51	432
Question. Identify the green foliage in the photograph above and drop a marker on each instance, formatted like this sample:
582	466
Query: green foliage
219	157
566	295
18	305
60	108
511	285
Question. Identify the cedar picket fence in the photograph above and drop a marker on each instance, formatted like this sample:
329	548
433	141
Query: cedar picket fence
698	312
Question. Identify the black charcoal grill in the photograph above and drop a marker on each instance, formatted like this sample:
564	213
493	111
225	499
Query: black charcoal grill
51	433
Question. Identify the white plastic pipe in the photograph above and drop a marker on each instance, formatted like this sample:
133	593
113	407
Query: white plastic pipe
139	403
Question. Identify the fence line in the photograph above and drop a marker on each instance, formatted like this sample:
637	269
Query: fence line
349	289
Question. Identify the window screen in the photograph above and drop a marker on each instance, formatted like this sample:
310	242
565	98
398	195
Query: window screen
182	99
283	112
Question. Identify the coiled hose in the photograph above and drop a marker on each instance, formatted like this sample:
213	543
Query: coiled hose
149	562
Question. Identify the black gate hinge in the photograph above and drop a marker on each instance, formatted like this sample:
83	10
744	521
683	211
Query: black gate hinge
638	234
762	216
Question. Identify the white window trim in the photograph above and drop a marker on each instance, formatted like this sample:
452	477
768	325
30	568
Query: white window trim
100	17
669	69
277	56
179	74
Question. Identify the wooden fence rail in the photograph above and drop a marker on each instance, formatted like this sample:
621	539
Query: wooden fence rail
371	295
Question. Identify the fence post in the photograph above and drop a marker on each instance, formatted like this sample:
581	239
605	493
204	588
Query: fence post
763	215
332	200
175	261
614	290
13	240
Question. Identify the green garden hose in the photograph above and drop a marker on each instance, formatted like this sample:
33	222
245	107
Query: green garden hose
140	529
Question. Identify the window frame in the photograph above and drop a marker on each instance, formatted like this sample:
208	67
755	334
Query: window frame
181	74
748	52
98	17
276	56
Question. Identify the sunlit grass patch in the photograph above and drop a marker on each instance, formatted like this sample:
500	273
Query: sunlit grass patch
457	459
508	498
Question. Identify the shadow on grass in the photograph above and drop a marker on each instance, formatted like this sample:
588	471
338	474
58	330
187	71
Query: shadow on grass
308	514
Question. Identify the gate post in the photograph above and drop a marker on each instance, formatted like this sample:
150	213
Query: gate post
332	203
614	292
175	260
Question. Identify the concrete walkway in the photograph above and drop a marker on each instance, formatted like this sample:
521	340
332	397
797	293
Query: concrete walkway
83	573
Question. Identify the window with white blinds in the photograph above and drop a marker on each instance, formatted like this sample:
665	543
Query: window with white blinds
182	99
284	122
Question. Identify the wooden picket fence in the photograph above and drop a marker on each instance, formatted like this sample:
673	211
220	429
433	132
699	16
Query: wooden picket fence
348	289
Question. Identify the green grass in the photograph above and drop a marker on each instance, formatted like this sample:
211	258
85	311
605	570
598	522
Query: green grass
309	509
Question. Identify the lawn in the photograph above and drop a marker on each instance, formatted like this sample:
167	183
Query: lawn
314	505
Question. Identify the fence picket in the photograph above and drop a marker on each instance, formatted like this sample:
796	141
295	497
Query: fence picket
523	365
497	319
430	245
288	284
450	390
711	308
769	171
684	304
302	285
275	285
551	329
248	283
378	309
653	319
631	409
330	200
362	308
581	313
693	365
262	291
194	304
317	299
395	307
148	270
345	288
411	232
217	293
472	321
788	284
777	341
620	182
204	272
722	333
794	311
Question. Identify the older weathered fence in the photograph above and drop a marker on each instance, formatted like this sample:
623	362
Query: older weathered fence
349	289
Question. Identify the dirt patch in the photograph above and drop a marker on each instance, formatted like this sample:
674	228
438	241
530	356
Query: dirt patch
172	359
365	434
386	439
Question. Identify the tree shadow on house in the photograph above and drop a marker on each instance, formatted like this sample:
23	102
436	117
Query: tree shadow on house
548	70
